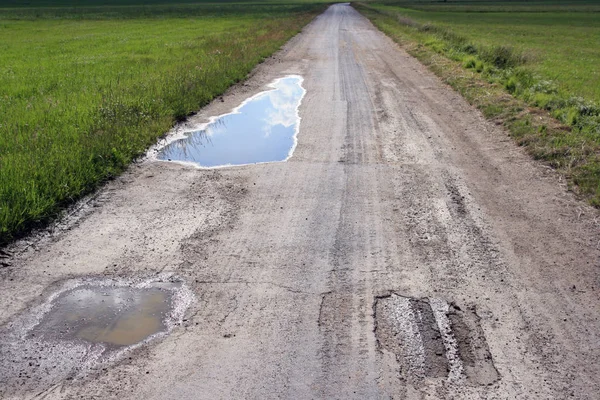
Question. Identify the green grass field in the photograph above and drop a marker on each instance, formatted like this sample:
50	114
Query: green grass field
544	53
561	46
486	6
84	91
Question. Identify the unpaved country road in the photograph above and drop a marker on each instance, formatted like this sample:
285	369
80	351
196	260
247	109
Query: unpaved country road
331	275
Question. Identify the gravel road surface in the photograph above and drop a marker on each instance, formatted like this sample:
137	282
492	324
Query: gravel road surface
408	250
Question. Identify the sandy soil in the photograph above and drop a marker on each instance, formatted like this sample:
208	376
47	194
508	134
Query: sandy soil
408	249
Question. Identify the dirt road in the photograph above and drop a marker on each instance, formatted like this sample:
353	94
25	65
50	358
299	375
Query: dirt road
408	249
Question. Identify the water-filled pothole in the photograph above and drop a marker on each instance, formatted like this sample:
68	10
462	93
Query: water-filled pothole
262	129
115	316
85	325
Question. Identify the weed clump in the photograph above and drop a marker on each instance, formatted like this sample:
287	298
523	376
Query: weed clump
502	57
470	62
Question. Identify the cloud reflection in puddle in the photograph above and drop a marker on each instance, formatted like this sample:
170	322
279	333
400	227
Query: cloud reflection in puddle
262	129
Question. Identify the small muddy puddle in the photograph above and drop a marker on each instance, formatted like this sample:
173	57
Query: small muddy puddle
113	316
84	325
262	129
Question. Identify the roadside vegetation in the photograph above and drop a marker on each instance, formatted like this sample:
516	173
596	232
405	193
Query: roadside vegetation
85	90
532	66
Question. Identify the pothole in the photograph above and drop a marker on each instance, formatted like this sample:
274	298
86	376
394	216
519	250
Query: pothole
262	129
85	325
114	316
433	339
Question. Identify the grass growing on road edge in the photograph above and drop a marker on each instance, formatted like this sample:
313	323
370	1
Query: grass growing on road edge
554	124
80	99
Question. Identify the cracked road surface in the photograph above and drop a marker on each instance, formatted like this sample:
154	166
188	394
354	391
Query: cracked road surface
408	249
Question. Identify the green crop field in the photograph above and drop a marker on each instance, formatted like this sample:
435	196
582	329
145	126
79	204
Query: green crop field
84	90
546	54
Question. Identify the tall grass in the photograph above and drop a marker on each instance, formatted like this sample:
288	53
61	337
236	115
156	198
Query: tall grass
80	98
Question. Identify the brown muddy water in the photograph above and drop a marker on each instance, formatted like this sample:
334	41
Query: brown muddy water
113	316
86	325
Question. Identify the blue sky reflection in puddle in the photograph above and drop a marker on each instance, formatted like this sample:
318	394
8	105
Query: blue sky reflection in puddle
262	129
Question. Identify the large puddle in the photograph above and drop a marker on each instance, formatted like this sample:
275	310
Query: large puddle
262	129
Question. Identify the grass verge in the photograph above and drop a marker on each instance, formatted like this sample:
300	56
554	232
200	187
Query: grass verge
549	117
84	93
